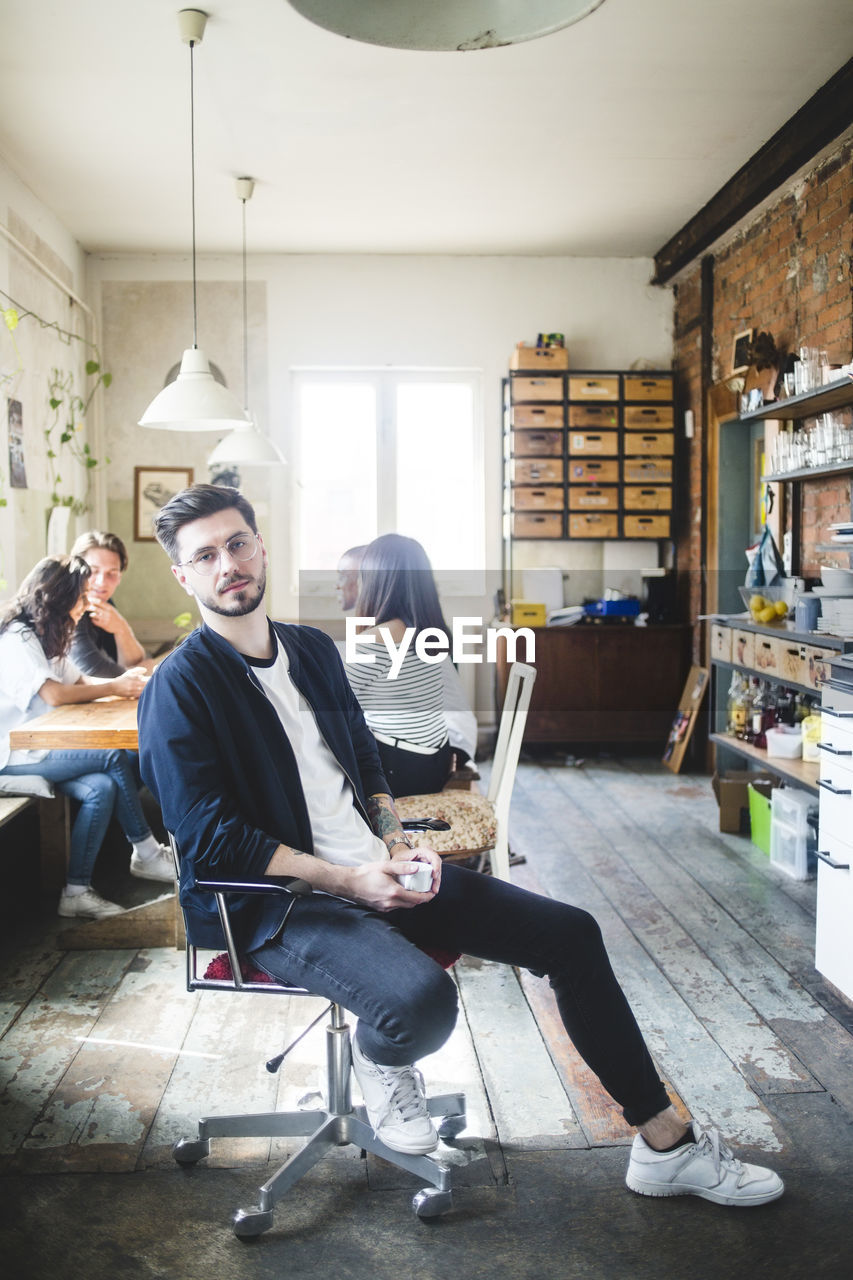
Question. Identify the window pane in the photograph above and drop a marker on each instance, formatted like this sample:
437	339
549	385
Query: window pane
439	498
337	470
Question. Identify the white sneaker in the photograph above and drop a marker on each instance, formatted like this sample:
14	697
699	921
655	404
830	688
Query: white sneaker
395	1100
90	905
706	1167
160	867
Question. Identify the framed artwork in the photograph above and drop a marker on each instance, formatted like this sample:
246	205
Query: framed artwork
740	351
685	718
152	488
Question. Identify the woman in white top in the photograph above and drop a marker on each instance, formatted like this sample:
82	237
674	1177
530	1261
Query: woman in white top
36	674
404	710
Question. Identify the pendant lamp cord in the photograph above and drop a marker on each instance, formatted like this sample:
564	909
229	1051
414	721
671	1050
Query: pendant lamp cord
245	321
192	188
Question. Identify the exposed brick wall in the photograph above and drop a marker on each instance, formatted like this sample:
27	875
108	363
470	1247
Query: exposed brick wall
788	272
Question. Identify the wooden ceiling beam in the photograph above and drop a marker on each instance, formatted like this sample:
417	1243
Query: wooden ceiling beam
824	117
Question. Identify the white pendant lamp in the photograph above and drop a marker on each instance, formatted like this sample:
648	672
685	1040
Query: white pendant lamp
195	401
246	446
448	25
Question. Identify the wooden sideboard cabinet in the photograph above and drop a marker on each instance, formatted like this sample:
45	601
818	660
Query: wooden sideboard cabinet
603	683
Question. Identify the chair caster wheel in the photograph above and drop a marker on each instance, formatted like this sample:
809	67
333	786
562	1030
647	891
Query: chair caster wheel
191	1150
431	1202
248	1223
452	1126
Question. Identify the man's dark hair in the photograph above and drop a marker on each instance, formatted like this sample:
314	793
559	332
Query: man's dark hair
104	541
194	503
44	600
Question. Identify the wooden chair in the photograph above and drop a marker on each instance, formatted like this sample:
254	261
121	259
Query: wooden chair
332	1121
479	825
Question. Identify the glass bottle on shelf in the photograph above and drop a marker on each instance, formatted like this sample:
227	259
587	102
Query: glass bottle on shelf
738	706
763	713
785	706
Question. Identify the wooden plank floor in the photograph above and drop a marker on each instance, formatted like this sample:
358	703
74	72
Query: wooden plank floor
105	1060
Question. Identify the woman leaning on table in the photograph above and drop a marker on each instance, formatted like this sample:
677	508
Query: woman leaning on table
37	674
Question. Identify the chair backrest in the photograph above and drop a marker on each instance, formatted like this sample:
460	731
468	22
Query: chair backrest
510	733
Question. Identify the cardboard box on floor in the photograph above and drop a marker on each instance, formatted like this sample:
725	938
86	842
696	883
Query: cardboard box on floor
730	788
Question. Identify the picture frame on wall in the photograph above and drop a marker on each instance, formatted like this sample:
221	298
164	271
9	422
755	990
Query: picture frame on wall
152	489
740	351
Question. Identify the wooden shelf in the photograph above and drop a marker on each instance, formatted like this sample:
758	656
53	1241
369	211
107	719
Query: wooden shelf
803	773
808	404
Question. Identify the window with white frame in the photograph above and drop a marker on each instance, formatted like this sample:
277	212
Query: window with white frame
389	451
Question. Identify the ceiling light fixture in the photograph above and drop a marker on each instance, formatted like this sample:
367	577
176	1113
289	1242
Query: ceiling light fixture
195	401
444	25
245	446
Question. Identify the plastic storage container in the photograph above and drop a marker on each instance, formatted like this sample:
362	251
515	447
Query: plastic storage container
792	837
785	742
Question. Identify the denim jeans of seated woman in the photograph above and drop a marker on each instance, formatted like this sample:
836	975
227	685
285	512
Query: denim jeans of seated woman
406	1003
103	782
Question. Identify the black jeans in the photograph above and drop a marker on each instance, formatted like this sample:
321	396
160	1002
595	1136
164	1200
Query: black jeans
411	774
406	1003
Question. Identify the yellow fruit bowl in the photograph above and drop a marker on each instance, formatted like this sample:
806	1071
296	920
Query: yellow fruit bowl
766	605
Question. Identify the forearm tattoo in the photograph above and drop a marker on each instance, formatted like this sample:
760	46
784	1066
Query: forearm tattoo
384	820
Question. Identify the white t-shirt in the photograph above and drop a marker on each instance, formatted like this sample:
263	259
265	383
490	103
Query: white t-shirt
23	670
340	833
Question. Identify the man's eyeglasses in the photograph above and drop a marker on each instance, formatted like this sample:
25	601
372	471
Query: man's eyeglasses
241	547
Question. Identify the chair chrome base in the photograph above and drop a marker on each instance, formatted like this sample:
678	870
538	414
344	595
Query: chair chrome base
336	1125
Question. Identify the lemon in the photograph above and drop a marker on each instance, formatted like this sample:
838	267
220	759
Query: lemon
767	614
756	602
781	608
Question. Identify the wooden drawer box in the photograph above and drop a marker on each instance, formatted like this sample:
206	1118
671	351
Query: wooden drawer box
530	524
538	497
590	387
596	444
537	444
791	666
636	498
593	525
658	442
538	415
542	388
721	643
645	526
638	387
603	416
584	499
815	668
540	359
591	471
768	655
536	471
652	417
639	471
743	648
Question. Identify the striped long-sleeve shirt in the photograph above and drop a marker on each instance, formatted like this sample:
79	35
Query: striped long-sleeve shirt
409	707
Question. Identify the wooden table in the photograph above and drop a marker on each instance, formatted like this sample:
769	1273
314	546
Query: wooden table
105	724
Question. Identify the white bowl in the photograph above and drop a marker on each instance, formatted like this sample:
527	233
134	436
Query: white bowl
836	577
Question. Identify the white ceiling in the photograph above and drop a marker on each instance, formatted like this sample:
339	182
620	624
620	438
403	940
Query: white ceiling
602	139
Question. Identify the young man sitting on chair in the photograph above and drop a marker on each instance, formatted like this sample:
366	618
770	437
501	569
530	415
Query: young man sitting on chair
258	753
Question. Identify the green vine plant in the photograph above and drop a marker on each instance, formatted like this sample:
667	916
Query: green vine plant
69	409
68	406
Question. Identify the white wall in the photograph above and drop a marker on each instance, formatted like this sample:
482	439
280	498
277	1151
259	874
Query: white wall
26	359
428	312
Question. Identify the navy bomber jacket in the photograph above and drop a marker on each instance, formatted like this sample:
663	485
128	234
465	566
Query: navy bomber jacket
216	757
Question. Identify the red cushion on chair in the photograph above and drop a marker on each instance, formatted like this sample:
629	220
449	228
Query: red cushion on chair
220	969
447	959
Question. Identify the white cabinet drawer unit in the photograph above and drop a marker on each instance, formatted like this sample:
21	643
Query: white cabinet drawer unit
834	925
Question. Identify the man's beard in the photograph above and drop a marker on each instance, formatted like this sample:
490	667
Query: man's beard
240	607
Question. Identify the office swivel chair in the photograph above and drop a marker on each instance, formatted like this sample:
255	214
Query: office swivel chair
337	1122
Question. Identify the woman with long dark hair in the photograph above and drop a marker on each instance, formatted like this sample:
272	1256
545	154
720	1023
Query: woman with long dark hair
404	709
36	629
